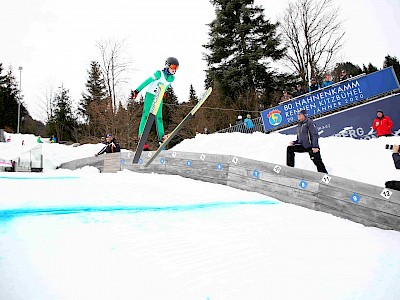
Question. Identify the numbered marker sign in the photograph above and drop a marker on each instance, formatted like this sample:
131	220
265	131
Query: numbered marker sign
386	193
189	163
174	154
355	198
235	160
122	161
202	157
256	173
219	166
162	161
326	179
140	161
277	169
303	184
150	154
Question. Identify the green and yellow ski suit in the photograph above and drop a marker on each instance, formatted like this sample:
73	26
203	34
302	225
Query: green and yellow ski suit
159	76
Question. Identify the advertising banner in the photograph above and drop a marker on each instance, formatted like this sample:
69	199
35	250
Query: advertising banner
331	97
356	122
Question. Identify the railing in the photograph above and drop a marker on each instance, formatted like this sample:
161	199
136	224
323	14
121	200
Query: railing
258	126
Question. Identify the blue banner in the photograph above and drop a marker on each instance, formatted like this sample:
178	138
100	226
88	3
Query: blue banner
356	122
331	98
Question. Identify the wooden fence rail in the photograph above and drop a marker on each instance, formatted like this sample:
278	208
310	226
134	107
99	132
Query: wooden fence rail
356	201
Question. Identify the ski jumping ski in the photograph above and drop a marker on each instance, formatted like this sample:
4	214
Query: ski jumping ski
150	120
179	127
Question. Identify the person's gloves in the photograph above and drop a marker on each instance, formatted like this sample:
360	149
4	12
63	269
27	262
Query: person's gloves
134	94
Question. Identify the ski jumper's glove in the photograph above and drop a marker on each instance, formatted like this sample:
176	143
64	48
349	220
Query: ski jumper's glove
134	94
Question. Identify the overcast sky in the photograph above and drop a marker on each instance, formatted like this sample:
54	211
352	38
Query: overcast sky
55	40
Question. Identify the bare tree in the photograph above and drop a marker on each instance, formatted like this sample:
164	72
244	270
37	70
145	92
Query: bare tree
45	103
114	65
313	34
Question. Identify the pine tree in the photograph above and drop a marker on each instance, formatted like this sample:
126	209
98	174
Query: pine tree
9	98
370	69
63	122
394	62
192	95
240	46
93	105
169	108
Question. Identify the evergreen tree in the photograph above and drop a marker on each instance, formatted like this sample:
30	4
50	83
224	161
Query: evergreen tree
241	44
394	62
9	98
370	69
192	95
62	121
93	104
170	108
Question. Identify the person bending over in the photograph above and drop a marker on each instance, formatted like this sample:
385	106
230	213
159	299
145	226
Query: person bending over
307	141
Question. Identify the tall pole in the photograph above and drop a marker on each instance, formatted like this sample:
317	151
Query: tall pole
19	100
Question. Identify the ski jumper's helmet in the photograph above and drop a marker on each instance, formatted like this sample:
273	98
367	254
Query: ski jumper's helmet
172	61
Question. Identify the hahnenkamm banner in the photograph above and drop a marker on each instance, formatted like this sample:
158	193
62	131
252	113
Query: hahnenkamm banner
331	97
356	122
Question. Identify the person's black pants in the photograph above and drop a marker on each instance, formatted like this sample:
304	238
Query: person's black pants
393	184
315	157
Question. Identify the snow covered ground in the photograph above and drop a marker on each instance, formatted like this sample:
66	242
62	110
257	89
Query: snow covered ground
85	235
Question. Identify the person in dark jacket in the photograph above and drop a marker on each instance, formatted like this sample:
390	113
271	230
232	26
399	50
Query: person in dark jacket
111	145
343	75
394	184
314	86
307	141
299	91
239	120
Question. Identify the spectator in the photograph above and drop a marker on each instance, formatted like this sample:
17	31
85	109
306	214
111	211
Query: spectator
239	120
327	81
249	124
166	76
307	141
343	76
53	139
382	124
146	147
299	91
111	146
39	139
314	86
206	131
286	97
394	184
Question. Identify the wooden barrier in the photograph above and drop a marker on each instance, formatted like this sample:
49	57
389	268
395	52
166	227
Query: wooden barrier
356	201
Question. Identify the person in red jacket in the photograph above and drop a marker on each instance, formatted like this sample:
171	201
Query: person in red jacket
382	124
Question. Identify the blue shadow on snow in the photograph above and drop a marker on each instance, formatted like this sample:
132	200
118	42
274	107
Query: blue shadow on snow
8	214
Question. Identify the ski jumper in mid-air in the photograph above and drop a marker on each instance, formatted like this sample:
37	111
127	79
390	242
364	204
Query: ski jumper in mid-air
166	77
